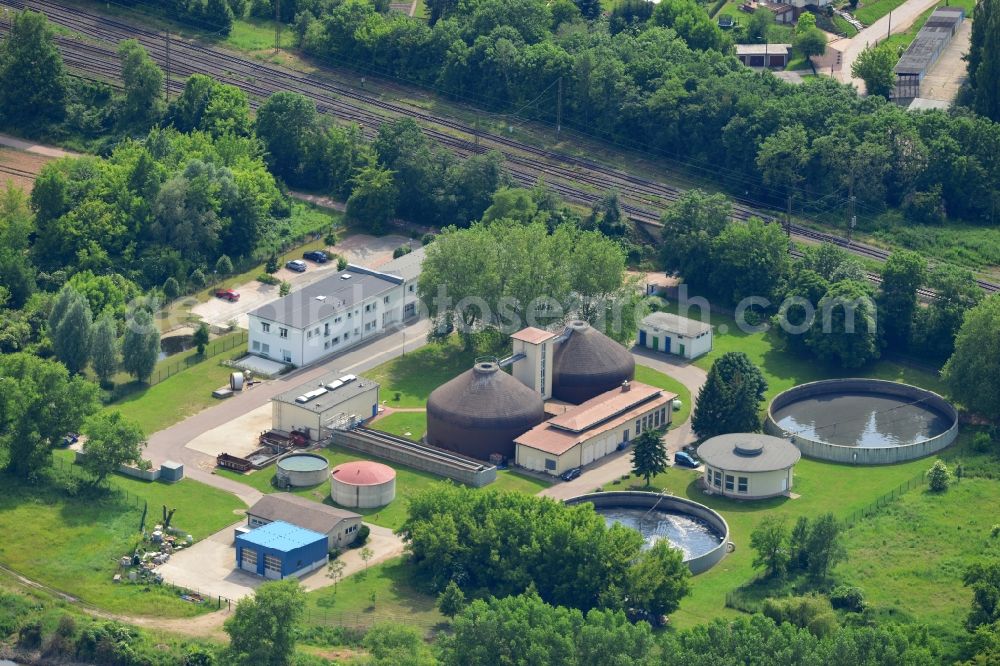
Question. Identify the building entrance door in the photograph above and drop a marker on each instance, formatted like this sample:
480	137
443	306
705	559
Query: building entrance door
656	343
642	338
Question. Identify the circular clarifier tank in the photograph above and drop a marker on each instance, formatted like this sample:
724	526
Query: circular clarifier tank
301	469
863	421
697	531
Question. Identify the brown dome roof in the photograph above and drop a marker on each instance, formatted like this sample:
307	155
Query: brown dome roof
589	363
481	411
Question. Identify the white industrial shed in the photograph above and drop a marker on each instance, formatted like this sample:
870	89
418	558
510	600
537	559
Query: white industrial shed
673	334
748	465
316	407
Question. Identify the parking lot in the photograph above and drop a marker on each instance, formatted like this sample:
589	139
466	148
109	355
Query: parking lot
360	249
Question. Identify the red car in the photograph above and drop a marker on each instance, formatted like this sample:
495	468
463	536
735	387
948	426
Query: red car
228	294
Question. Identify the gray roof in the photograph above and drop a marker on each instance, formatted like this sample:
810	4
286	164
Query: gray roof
749	452
300	512
929	42
330	399
407	266
690	328
323	298
763	49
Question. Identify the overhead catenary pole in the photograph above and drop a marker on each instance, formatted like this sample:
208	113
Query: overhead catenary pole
852	219
788	217
559	107
166	77
277	25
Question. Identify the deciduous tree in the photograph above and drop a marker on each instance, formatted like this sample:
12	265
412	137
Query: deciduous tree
973	370
104	348
875	66
452	600
112	440
846	330
770	540
32	80
142	105
72	335
903	273
141	345
262	629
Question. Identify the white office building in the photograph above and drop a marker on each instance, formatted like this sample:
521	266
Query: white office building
329	316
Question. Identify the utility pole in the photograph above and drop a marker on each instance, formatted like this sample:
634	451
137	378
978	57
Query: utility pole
166	77
559	108
277	25
788	217
853	220
888	33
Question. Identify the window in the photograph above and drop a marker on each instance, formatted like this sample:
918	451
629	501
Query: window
265	348
264	326
282	332
729	482
336	340
309	335
326	345
249	557
286	355
256	345
348	315
347	334
386	300
272	563
741	484
411	288
550	464
316	331
716	478
337	320
357	331
368	308
638	427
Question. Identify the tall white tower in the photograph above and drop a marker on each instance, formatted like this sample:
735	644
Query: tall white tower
533	364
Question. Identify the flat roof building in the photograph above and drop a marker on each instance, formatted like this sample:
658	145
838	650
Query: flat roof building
764	55
584	433
279	550
748	465
316	407
337	525
673	334
925	49
330	315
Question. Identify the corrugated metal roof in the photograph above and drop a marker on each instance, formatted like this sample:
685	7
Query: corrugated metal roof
299	511
282	536
672	323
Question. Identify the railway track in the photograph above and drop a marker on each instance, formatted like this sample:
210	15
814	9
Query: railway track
577	180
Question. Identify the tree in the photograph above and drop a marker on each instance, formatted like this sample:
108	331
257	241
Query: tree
335	570
33	90
936	326
902	274
142	105
141	345
985	75
758	24
72	335
875	66
810	43
104	348
782	159
452	600
649	455
730	399
589	9
770	540
366	554
284	288
824	545
224	266
285	123
658	580
749	260
798	542
972	371
846	331
112	441
200	337
373	198
984	579
690	225
938	477
171	288
262	629
39	403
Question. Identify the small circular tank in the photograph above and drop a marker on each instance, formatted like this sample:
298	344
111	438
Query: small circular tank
301	469
363	484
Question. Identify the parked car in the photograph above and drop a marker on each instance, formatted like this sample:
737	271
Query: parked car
296	265
684	459
316	255
70	439
228	295
570	474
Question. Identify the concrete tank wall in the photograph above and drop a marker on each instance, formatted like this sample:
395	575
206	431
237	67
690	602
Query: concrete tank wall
643	500
300	478
362	497
859	455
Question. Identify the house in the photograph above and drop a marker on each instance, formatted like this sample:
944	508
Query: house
587	432
776	56
329	316
279	550
673	334
337	525
319	405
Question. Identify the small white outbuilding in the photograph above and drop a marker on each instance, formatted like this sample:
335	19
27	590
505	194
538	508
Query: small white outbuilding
673	334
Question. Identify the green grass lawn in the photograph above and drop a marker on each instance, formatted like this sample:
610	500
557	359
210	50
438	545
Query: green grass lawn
416	374
396	599
175	398
843	26
409	482
401	423
660	380
872	10
910	558
72	543
253	34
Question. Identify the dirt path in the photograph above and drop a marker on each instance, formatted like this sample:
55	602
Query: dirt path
36	148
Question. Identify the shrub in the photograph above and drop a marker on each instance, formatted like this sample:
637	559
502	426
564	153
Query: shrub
267	279
331	238
272	264
362	537
401	251
848	597
197	278
995	532
810	612
427	239
30	635
939	477
285	288
341	263
171	289
981	442
925	207
224	266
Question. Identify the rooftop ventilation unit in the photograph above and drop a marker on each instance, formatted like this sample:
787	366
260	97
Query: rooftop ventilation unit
347	379
311	395
346	276
321	298
334	385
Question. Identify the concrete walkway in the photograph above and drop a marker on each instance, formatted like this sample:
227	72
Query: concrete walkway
902	18
619	463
